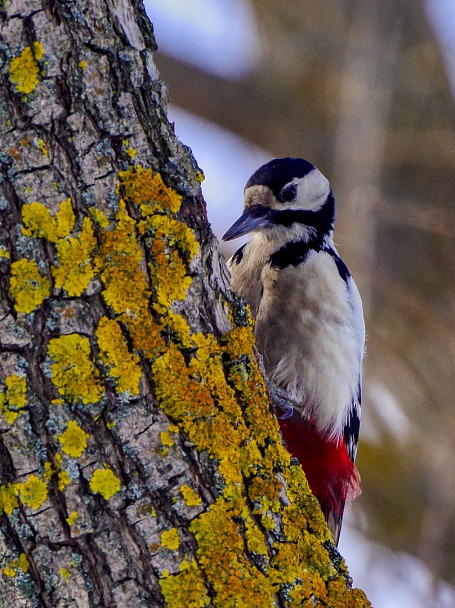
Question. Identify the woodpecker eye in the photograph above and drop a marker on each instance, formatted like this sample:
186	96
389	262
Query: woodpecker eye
288	193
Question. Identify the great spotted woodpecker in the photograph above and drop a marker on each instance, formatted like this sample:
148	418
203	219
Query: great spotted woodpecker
309	324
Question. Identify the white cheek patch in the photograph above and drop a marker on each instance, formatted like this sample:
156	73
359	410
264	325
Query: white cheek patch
312	191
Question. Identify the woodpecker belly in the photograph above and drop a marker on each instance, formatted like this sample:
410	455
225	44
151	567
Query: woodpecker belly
305	333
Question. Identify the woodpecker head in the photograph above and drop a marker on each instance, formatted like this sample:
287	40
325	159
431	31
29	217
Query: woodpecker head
286	193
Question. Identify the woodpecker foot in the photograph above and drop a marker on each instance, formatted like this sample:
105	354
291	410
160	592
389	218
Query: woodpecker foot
278	396
281	401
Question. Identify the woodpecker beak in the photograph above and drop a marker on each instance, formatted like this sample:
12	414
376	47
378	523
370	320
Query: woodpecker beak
253	218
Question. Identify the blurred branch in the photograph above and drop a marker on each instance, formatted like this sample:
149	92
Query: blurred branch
243	108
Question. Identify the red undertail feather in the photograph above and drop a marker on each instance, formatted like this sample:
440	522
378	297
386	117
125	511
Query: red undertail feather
331	474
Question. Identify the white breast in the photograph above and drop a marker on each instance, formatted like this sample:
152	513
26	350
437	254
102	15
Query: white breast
307	331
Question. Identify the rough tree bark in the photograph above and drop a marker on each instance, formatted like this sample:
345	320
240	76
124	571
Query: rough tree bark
139	462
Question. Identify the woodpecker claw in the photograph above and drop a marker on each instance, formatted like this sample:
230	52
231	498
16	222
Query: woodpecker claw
288	413
281	401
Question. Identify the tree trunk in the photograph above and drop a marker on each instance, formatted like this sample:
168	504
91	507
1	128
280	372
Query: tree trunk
140	464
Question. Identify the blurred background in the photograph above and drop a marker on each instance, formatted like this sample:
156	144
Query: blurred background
364	90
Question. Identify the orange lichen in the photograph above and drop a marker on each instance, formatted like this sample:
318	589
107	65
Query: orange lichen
142	187
53	471
168	274
24	70
105	482
63	480
73	372
122	365
42	147
73	440
28	287
197	396
100	218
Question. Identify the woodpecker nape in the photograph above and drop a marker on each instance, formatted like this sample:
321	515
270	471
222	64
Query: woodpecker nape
309	324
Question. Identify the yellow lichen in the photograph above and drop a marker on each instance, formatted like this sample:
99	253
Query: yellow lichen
125	286
64	573
196	395
100	218
54	472
33	492
42	147
14	398
105	482
221	554
8	499
190	496
20	564
185	589
74	269
23	562
255	540
39	223
73	372
63	480
4	253
122	365
73	440
167	268
166	438
170	539
28	287
72	518
24	70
